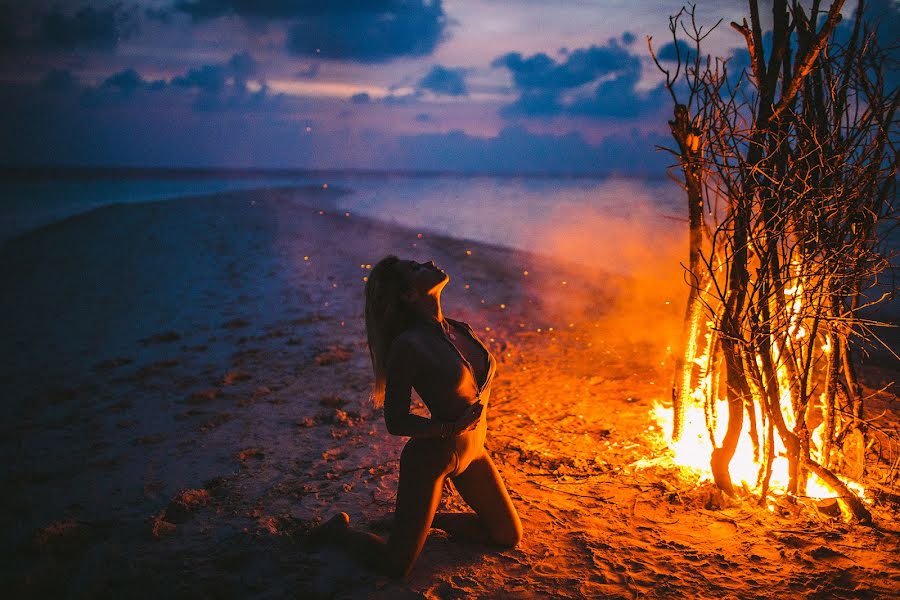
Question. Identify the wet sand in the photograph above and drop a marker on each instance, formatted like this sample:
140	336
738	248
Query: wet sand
186	394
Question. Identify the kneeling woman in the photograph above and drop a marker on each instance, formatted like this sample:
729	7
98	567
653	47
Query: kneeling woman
413	345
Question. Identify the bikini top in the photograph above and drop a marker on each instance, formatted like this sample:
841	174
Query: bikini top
491	361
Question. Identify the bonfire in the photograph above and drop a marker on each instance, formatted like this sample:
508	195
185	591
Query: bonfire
789	168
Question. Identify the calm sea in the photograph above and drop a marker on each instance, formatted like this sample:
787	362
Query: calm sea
511	211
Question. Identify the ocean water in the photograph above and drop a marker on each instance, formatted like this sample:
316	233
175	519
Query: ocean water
520	212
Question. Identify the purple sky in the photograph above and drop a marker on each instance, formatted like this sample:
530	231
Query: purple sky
472	85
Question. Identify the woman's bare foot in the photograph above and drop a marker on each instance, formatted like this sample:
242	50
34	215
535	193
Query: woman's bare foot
331	529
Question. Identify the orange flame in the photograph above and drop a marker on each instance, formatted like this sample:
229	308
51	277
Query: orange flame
694	448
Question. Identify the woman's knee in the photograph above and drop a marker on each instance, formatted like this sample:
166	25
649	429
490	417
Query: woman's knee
510	535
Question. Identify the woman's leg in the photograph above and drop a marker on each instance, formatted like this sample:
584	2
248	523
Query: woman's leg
424	464
482	488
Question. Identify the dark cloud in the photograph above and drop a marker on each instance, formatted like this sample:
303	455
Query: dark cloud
243	66
424	118
89	27
119	89
208	78
596	81
535	103
670	53
581	66
617	98
882	16
126	82
517	150
266	9
444	81
214	87
224	86
380	34
738	62
214	80
360	98
359	30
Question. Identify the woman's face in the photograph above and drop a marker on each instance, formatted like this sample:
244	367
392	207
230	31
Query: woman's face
422	278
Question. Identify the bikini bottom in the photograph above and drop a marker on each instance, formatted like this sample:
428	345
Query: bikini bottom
467	447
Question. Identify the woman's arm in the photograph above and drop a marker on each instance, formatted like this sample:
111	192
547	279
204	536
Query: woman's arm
401	368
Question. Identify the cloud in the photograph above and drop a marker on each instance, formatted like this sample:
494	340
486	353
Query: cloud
517	150
225	86
360	98
265	9
89	27
243	66
884	17
213	87
597	81
617	98
737	62
581	66
208	78
412	29
120	88
370	31
670	53
444	81
126	82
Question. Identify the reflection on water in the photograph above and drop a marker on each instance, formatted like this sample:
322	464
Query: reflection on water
517	212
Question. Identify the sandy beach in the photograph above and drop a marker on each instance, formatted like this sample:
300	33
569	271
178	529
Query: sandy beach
186	393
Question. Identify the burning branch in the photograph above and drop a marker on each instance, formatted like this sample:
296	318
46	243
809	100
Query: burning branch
789	172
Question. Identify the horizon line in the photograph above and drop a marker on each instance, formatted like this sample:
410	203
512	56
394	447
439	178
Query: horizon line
62	172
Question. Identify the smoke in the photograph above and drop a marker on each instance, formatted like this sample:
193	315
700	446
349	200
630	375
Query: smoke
631	253
612	251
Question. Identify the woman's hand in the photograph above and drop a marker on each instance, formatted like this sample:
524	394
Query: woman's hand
469	419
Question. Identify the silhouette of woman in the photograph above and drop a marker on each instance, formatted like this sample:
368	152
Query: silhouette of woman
413	345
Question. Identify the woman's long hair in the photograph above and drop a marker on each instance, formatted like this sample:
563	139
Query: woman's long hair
387	316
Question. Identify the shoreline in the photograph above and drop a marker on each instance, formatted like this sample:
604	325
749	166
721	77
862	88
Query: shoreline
38	224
